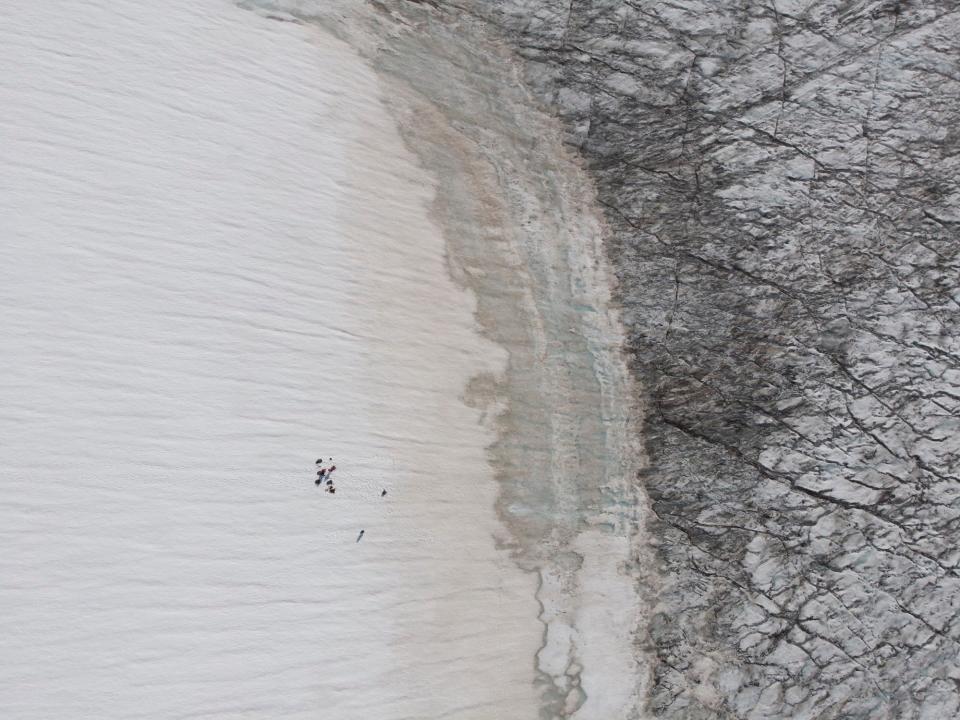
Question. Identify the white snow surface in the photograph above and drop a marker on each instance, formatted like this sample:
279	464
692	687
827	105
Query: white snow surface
216	265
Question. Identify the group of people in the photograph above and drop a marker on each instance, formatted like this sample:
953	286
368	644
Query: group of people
326	474
325	478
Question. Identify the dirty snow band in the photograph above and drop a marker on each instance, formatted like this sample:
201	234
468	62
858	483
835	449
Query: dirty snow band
325	478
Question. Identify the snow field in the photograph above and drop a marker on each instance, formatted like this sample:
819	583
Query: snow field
217	264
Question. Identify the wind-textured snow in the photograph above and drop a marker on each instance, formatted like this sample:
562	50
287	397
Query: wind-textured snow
217	265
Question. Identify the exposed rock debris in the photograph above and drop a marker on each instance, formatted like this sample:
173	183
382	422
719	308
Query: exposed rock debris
781	180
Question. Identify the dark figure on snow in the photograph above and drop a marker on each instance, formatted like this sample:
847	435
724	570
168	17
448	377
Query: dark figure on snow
321	473
360	536
383	493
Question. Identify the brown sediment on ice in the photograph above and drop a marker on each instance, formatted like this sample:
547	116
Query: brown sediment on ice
523	234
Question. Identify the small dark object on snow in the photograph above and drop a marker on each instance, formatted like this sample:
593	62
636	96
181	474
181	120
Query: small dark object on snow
382	493
329	482
360	535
